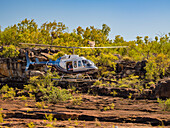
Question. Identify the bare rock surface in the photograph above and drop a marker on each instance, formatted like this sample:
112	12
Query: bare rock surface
92	111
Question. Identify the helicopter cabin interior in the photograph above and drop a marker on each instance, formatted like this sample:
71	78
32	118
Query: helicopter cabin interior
69	66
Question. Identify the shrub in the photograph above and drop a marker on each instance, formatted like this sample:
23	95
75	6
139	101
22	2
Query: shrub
97	83
9	51
77	100
127	58
109	107
46	86
8	92
4	89
40	104
53	94
29	87
23	97
130	82
1	116
31	125
156	66
164	104
49	117
114	93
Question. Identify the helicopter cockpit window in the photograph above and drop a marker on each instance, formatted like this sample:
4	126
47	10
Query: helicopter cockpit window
79	64
86	63
75	64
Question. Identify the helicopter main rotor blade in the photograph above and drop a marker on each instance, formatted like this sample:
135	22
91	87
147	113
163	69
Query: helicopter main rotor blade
106	47
43	45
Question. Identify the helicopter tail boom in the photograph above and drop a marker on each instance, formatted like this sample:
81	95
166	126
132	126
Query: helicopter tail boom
37	61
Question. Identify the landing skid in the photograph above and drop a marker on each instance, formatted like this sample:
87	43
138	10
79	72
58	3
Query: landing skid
77	77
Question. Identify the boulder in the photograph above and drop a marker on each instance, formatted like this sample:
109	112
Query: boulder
162	90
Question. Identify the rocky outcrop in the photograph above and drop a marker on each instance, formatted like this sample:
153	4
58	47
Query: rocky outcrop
162	90
13	69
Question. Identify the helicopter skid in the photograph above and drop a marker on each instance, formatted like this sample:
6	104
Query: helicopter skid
91	71
75	77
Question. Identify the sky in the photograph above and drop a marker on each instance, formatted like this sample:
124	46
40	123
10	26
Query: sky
128	18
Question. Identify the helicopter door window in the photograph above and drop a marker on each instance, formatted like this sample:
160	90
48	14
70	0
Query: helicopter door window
75	64
79	64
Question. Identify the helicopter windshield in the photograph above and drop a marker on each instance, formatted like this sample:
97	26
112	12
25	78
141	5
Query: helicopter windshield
87	63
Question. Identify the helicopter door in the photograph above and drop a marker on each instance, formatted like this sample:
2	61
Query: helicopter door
69	66
80	66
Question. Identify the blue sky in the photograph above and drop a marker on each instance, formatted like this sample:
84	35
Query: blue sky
128	18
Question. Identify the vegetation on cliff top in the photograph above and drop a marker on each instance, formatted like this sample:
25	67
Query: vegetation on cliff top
156	52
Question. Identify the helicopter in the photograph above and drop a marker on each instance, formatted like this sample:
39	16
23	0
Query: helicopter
69	64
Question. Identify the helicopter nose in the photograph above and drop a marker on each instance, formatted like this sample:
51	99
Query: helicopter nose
95	68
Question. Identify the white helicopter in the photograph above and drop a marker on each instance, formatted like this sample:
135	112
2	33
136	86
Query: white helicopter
69	64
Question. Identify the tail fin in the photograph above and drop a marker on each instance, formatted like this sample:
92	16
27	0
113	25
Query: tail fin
37	61
28	61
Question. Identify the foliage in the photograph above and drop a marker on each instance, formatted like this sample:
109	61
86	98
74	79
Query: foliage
23	97
109	107
77	100
49	117
4	89
164	104
156	52
7	92
31	125
9	51
46	86
29	87
114	93
56	55
130	95
97	83
40	105
127	58
1	116
131	82
157	66
49	126
54	94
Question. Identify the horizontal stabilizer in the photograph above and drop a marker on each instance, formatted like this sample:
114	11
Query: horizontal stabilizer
37	61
